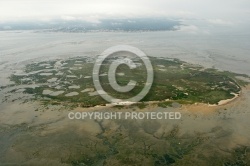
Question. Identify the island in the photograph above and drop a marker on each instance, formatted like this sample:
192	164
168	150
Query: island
69	82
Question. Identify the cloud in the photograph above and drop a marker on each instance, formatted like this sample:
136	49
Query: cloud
92	18
220	22
94	10
193	29
188	29
69	18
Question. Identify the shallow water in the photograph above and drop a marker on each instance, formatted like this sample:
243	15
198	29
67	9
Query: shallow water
32	133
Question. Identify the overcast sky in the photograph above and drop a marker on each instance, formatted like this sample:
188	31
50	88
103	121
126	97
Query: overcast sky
221	12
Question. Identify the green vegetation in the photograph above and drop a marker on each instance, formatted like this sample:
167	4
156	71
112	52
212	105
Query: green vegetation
165	104
173	79
141	105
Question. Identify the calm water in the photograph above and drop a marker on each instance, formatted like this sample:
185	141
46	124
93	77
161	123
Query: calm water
227	127
226	52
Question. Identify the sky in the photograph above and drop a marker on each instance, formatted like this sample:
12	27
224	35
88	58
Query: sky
217	11
213	12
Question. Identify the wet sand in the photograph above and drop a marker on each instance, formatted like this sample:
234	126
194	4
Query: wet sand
33	134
